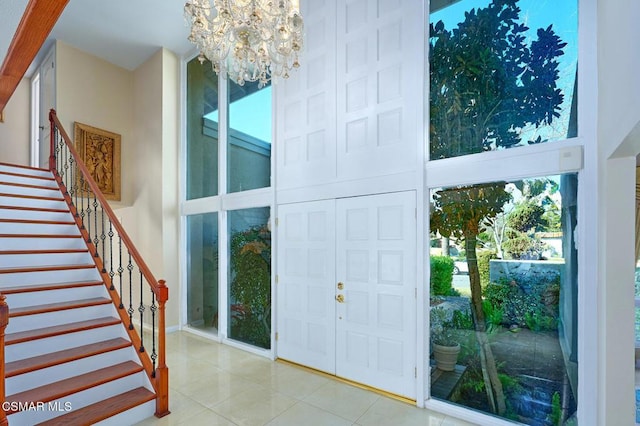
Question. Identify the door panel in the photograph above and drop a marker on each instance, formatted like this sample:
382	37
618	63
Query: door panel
346	288
376	323
47	102
306	280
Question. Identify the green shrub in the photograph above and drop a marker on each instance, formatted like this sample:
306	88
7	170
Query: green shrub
483	265
441	275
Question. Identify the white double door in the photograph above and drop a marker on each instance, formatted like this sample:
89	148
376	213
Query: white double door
346	291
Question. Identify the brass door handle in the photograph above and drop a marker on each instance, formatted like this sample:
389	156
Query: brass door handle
340	298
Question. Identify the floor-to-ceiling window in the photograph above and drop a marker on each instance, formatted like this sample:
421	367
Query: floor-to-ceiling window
227	207
503	208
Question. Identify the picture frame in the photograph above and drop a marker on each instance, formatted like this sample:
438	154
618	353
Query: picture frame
99	149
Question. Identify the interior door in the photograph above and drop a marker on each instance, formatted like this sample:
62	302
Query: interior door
305	286
47	101
376	305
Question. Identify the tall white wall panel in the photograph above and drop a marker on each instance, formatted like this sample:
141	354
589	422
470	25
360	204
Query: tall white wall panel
353	111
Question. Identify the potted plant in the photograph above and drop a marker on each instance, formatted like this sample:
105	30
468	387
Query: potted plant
444	339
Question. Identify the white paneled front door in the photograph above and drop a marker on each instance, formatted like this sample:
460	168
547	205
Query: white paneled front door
306	284
346	288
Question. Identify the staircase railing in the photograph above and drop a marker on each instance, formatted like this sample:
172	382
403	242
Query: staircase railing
4	320
119	262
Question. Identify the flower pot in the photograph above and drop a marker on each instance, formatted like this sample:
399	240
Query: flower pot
446	356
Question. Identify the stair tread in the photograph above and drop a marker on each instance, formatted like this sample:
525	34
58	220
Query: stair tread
52	286
40	236
27	176
21	166
22	366
34	209
102	410
75	384
31	197
39	222
60	306
28	185
52	251
46	268
56	330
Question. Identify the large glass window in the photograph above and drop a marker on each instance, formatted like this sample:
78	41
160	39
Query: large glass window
503	306
502	74
249	141
202	130
250	276
202	271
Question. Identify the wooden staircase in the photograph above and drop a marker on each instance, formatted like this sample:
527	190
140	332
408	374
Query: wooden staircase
68	357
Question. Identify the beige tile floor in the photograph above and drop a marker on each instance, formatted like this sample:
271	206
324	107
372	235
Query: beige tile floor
214	384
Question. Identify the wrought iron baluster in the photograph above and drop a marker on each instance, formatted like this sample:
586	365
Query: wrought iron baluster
82	200
141	309
111	273
120	269
154	354
65	176
103	237
130	311
88	218
72	191
95	223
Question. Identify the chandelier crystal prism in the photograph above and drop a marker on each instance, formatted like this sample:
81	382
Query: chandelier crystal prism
250	40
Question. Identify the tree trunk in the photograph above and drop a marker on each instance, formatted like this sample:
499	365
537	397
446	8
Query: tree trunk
493	386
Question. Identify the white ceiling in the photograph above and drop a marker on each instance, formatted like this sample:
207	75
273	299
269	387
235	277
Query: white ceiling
123	32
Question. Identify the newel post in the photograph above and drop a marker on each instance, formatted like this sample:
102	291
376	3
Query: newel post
162	372
52	143
4	320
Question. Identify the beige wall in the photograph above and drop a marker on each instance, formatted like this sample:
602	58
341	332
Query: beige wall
92	91
142	106
14	132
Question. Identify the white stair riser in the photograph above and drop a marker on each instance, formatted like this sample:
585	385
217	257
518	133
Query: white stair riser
25	171
131	417
35	192
38	228
59	372
36	215
44	259
65	341
19	300
31	243
50	319
28	180
33	202
47	277
81	399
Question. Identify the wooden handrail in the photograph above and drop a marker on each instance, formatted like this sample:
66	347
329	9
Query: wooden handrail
105	205
159	376
4	320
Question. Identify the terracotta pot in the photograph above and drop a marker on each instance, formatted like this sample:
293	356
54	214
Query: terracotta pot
446	356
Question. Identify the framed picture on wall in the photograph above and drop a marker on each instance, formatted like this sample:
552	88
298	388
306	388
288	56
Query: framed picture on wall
100	151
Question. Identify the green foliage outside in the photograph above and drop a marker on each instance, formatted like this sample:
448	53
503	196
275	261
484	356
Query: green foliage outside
513	302
441	276
484	258
251	286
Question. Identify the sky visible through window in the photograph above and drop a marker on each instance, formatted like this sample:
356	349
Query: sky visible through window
247	115
536	14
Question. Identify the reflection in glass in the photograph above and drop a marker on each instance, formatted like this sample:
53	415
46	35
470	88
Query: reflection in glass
511	320
250	276
502	74
202	130
202	271
249	146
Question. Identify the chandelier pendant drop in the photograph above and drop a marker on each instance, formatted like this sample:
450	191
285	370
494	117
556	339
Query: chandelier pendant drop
250	40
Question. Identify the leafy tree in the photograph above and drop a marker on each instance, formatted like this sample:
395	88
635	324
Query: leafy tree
486	84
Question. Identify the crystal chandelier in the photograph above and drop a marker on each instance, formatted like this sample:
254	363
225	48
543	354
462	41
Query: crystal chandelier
251	40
